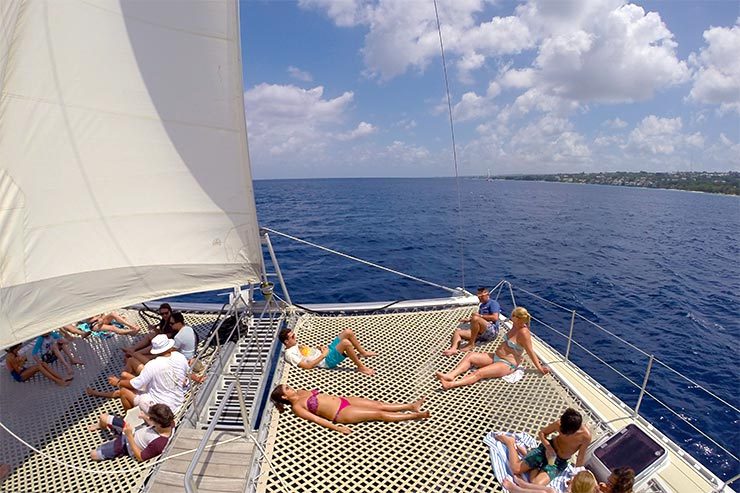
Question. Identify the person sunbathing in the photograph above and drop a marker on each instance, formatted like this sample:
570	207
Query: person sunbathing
51	347
505	360
344	345
143	443
105	323
583	482
329	410
16	363
550	458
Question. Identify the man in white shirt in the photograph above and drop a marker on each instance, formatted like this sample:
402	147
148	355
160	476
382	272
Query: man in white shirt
345	344
185	339
163	380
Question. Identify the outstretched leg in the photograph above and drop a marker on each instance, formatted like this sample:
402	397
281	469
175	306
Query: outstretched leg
346	347
472	359
108	395
350	415
385	406
47	371
349	335
494	370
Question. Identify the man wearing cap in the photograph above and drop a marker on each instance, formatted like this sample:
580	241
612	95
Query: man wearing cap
163	380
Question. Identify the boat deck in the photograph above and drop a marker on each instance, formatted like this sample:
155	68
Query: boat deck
54	420
443	453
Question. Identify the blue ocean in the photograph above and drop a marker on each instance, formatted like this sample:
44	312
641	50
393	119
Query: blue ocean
659	268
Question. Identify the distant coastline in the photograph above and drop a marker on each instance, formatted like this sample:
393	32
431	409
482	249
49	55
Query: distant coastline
726	182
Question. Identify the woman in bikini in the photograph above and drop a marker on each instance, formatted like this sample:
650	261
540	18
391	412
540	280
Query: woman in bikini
504	361
328	410
16	364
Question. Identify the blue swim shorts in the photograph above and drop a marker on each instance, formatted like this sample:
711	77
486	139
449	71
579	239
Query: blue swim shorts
334	357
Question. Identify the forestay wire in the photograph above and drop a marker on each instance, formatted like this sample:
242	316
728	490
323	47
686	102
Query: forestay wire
454	151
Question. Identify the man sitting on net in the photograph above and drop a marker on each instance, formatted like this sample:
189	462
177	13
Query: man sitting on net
550	458
344	345
163	380
483	325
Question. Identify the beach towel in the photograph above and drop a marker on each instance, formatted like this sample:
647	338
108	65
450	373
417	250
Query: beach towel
500	459
515	376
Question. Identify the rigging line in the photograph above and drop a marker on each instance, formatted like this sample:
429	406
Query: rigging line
356	259
454	150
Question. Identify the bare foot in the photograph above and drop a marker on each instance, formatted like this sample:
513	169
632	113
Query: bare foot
416	406
449	352
366	371
446	384
467	347
369	354
442	376
89	391
94	427
424	415
113	380
506	439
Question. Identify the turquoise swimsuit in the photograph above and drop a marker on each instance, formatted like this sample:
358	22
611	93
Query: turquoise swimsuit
514	346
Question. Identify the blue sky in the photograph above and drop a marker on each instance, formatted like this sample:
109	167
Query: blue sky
354	88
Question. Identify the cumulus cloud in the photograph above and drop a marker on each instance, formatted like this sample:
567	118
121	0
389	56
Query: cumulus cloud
717	75
363	129
611	56
472	106
657	135
286	118
403	35
299	74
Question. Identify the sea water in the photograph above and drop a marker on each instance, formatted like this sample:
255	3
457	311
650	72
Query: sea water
657	267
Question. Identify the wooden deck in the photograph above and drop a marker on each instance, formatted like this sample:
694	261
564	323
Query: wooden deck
221	469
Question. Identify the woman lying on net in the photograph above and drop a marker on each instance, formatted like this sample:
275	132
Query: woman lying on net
505	360
329	410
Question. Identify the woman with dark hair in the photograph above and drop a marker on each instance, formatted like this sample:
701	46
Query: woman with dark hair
622	480
142	443
328	410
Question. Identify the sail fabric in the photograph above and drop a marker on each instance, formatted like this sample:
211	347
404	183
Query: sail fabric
124	168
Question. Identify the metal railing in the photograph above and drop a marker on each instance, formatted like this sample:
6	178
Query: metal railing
646	378
255	345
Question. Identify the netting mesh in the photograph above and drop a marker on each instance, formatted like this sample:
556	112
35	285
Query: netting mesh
55	420
443	453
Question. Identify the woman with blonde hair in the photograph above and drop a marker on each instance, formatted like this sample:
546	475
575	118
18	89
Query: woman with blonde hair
583	482
504	361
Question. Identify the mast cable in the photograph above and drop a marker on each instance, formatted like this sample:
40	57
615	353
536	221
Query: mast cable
454	150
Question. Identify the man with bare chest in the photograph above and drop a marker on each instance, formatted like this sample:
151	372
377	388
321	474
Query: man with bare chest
548	460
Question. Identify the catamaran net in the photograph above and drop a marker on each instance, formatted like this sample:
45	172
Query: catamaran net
444	453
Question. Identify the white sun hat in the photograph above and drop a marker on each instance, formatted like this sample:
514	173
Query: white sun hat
161	343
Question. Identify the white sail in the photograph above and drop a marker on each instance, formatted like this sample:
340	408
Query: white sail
124	168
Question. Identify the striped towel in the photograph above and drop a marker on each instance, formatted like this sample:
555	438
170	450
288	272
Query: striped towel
500	459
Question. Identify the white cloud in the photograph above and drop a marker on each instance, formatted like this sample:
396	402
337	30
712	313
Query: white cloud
472	106
363	129
299	74
615	123
612	56
717	76
655	136
517	79
286	119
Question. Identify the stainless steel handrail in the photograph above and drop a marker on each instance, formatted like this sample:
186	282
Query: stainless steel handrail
646	378
254	340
